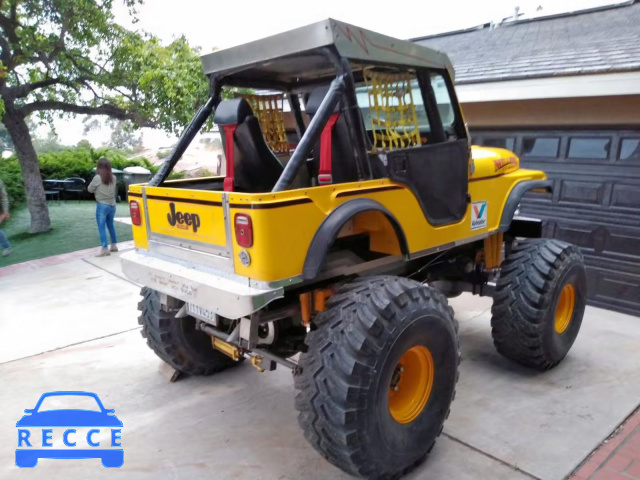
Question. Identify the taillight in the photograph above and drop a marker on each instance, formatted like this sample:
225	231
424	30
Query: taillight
244	230
134	210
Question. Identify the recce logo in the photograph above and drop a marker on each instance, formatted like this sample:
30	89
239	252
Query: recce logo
88	432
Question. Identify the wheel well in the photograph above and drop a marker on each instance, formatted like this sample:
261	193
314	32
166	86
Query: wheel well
516	195
368	216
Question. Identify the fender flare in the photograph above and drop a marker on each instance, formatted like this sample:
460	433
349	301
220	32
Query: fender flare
515	196
331	226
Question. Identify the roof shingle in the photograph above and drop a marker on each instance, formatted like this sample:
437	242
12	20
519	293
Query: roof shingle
600	40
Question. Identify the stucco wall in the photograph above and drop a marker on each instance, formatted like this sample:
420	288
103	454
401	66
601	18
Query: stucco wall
574	112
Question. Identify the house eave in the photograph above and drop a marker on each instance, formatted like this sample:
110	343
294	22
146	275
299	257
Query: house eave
597	85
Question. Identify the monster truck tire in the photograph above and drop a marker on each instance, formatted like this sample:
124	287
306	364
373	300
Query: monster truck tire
378	378
176	340
539	302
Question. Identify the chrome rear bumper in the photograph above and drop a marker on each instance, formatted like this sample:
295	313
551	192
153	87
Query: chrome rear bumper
225	294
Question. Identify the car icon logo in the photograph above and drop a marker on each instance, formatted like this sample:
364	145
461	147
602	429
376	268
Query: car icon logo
69	433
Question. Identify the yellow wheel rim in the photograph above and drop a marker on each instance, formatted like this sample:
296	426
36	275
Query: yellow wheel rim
411	384
564	309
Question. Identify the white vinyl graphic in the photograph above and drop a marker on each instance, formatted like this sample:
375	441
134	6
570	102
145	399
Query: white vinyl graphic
479	215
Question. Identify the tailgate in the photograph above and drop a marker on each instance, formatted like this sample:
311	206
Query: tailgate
182	223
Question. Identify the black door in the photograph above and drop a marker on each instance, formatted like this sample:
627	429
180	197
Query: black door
595	203
438	175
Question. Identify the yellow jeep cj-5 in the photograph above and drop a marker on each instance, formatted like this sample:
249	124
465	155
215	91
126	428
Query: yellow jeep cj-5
353	205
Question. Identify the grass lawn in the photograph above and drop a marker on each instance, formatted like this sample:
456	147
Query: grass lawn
73	227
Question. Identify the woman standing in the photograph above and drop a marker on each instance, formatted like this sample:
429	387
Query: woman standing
104	187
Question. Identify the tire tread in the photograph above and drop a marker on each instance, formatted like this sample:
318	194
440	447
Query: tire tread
522	296
337	366
159	328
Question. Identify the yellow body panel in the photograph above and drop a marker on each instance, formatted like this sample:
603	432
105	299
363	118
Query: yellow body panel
285	223
489	162
164	203
282	235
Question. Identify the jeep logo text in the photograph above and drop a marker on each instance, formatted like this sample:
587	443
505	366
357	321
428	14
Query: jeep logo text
183	220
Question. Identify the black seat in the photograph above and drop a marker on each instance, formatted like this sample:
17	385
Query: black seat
343	163
255	167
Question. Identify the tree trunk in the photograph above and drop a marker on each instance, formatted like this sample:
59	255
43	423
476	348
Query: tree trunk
36	201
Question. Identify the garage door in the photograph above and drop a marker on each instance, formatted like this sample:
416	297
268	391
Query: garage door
595	202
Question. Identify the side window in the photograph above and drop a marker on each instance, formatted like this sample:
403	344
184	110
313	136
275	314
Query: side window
392	108
394	111
443	99
545	147
421	111
593	148
629	149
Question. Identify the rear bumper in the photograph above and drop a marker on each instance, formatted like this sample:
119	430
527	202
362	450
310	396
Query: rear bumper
228	295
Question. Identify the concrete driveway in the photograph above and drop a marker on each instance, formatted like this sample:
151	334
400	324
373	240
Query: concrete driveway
73	327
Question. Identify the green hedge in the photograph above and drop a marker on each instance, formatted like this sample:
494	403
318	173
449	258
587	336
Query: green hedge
72	162
12	178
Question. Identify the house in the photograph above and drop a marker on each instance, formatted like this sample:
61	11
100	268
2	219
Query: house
563	92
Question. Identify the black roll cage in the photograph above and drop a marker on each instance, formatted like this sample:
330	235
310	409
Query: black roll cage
342	87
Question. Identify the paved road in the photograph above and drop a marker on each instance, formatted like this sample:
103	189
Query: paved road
507	422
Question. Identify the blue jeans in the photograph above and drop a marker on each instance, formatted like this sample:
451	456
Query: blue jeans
104	216
4	243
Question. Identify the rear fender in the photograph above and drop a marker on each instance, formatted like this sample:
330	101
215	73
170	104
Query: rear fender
331	226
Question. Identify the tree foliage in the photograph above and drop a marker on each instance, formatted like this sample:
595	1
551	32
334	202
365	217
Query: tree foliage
70	57
123	136
47	144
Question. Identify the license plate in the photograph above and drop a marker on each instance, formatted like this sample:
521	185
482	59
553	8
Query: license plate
201	313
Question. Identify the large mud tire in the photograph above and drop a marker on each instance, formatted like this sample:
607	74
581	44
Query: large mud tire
176	340
348	407
539	302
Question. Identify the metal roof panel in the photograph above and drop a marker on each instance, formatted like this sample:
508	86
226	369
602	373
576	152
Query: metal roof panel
274	53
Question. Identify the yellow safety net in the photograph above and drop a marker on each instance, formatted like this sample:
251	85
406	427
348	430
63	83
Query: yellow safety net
268	109
393	114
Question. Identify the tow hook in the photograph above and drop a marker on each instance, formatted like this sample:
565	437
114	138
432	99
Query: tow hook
256	361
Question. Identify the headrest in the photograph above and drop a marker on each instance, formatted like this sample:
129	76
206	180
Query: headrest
315	99
232	112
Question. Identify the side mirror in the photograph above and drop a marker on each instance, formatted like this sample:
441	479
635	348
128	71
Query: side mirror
28	410
109	411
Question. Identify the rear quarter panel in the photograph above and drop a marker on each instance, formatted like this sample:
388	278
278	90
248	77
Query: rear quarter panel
283	234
